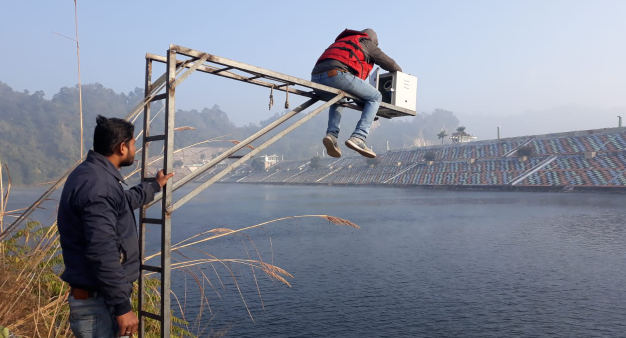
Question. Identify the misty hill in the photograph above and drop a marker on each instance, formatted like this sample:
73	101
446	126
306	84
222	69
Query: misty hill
39	138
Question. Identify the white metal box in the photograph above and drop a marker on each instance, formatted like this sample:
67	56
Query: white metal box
398	89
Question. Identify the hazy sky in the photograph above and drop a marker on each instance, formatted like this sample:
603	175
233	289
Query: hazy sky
470	57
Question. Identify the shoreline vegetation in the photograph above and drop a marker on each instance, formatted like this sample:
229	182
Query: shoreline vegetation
33	298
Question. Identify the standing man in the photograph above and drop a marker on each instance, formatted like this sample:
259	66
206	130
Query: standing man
345	65
98	233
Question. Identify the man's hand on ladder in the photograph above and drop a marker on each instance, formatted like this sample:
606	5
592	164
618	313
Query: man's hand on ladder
162	179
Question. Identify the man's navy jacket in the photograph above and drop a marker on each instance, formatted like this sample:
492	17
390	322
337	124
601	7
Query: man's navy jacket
98	230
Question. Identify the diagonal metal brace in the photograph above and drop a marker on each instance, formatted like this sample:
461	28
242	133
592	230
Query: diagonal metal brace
236	148
257	150
186	74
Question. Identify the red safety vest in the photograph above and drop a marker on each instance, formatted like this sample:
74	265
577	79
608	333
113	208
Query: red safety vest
347	49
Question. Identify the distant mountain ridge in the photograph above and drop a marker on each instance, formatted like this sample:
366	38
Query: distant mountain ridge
39	138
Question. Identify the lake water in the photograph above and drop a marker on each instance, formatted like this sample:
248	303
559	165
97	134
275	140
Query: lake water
425	263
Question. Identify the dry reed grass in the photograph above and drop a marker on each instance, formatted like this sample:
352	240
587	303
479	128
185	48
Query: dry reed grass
33	297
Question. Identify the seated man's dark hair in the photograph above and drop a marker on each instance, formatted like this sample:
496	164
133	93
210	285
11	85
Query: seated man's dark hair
109	133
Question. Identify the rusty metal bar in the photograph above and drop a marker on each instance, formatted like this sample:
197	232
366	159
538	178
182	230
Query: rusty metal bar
258	149
151	220
150	268
154	138
142	223
237	147
158	97
223	69
284	85
166	228
150	315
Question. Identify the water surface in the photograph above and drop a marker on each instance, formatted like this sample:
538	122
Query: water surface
425	263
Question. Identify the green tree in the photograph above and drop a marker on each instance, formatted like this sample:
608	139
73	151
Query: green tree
373	161
525	151
257	164
459	135
442	135
430	156
315	162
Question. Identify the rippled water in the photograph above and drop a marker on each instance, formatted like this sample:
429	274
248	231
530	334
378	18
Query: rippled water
424	263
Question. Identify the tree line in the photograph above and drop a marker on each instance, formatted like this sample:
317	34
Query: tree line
39	137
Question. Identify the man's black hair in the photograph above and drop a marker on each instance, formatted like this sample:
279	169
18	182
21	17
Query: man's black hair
109	133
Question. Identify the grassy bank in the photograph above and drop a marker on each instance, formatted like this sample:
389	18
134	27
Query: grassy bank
33	298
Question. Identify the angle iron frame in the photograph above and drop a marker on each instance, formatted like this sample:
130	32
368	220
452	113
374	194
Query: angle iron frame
206	63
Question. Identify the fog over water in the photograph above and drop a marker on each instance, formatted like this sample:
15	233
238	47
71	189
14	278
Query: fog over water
424	263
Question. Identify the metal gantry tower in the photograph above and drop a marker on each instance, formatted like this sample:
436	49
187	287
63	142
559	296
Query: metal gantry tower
177	70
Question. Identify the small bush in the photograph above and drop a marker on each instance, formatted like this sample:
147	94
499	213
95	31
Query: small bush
430	156
525	151
315	162
373	161
257	164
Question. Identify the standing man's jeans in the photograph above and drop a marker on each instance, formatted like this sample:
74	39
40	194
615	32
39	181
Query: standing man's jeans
357	87
92	318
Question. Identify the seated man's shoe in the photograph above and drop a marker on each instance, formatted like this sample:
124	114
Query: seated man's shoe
359	146
330	142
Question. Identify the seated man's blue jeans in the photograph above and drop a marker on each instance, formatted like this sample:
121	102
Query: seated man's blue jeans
92	318
357	87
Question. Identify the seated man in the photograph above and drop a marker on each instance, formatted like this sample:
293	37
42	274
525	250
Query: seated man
345	65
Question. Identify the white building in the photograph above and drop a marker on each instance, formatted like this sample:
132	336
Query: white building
270	160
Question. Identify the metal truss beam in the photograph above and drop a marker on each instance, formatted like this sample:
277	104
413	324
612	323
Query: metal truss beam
207	63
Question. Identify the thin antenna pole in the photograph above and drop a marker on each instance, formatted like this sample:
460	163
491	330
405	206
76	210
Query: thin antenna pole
80	89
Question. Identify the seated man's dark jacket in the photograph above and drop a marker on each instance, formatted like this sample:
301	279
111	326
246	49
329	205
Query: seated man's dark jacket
98	230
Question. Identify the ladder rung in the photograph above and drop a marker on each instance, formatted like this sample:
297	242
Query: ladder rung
151	315
154	138
151	268
223	69
152	220
235	156
285	84
159	97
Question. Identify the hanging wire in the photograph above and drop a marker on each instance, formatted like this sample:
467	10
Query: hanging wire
271	97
